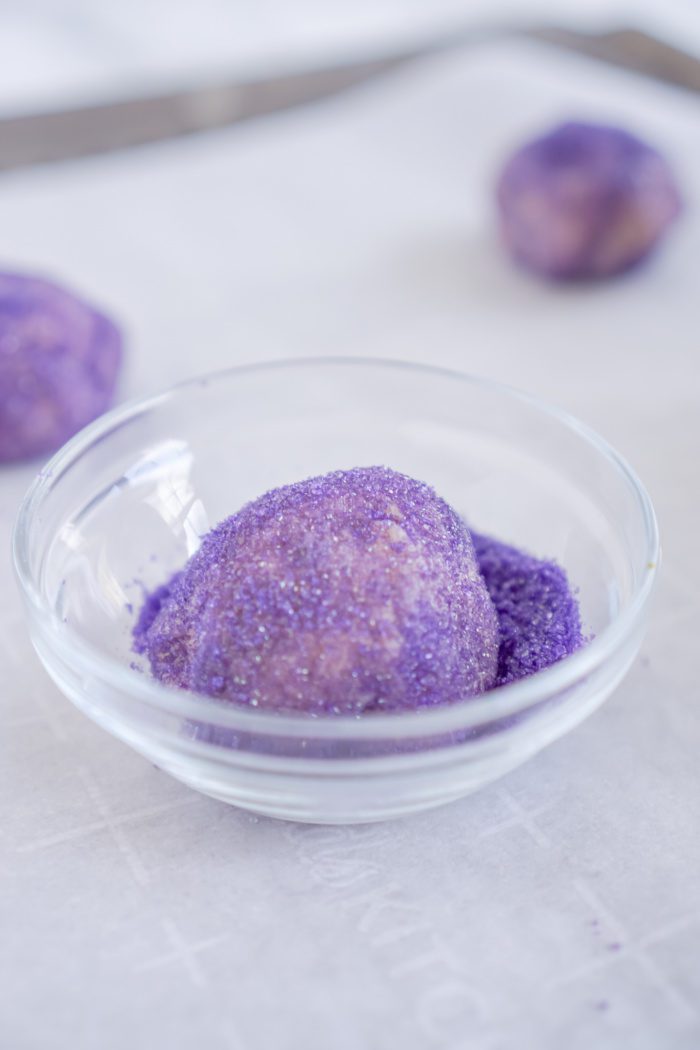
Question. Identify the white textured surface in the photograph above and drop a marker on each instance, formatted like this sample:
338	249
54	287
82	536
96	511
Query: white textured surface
557	909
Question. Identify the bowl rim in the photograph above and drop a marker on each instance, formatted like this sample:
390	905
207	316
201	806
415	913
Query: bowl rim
495	704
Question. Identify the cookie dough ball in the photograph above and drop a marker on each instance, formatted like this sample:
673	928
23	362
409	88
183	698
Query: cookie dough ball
585	202
353	592
59	361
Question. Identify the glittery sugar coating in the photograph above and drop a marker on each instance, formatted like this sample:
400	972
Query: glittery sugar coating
59	361
585	201
538	616
353	592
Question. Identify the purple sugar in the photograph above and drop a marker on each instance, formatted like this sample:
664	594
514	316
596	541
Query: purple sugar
59	361
354	592
538	616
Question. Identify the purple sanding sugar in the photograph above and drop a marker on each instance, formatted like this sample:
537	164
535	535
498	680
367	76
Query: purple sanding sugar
59	361
356	591
538	616
585	201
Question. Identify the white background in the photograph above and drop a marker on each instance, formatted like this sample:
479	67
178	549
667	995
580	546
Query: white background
56	52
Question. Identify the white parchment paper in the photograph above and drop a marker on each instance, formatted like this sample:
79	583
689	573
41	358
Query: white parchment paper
559	908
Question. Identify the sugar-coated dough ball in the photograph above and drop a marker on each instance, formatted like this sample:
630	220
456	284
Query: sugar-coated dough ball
356	591
585	201
59	361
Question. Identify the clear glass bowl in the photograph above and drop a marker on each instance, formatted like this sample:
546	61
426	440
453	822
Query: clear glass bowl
124	505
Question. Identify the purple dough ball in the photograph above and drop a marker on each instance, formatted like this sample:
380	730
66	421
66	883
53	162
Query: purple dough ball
59	360
356	591
585	202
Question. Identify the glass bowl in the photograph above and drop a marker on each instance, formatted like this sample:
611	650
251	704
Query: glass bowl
126	502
